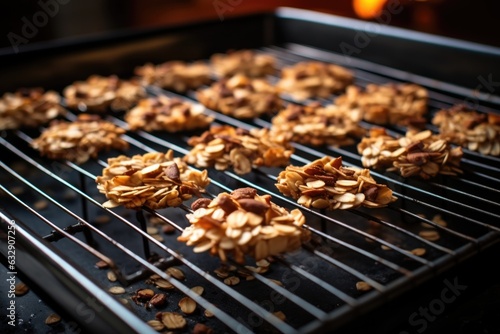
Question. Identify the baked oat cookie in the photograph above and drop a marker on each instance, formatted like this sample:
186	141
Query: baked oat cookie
245	62
310	79
100	94
154	180
243	223
163	113
316	125
80	140
29	107
420	154
175	75
326	184
241	97
224	147
402	104
470	129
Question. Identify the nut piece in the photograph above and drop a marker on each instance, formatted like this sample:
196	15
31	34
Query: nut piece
311	79
246	62
317	125
225	146
158	300
402	104
470	129
200	328
98	94
363	286
21	289
143	180
167	114
419	154
29	107
326	184
175	75
80	140
52	319
241	97
234	230
173	320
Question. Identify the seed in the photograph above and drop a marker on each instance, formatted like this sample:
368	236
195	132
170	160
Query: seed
430	235
418	251
158	300
385	247
117	290
173	320
52	319
41	205
111	276
21	289
221	272
156	325
198	290
232	280
280	315
102	264
187	305
363	286
176	272
163	284
208	314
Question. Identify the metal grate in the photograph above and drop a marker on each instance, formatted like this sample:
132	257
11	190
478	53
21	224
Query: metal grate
318	288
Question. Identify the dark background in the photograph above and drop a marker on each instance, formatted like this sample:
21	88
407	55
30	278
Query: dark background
464	19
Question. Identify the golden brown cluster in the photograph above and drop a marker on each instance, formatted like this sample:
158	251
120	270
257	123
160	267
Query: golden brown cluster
243	223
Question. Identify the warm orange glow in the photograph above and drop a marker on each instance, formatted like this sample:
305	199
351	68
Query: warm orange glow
368	9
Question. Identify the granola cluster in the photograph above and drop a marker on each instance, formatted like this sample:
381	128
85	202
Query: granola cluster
29	107
317	125
154	180
246	62
167	114
99	94
243	223
326	184
223	147
471	129
80	140
176	75
401	104
419	154
310	79
241	97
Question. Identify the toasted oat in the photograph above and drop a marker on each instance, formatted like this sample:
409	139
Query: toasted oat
246	62
167	114
53	319
310	79
241	97
29	107
100	93
326	184
173	320
363	286
80	140
402	104
470	129
154	180
187	305
176	75
244	223
226	147
419	154
316	125
157	325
